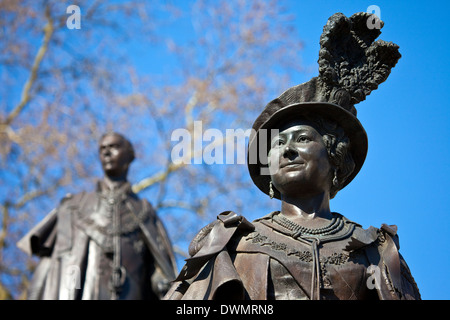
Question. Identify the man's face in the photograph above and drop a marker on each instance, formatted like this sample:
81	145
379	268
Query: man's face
114	156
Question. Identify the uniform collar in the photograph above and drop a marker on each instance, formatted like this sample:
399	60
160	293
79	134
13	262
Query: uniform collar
123	189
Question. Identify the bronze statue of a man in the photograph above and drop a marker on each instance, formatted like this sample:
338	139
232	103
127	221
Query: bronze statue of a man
304	250
101	245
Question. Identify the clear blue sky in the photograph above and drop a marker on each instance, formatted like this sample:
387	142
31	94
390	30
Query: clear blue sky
406	177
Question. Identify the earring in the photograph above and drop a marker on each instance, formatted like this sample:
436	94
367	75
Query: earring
335	179
271	192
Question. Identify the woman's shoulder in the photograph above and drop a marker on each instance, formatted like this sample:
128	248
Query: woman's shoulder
381	246
216	235
213	239
374	236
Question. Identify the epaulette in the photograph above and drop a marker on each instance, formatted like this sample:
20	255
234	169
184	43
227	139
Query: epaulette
391	230
211	240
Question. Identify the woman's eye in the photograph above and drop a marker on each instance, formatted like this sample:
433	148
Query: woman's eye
278	142
303	139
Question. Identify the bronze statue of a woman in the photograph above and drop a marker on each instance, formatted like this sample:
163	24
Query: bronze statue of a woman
306	251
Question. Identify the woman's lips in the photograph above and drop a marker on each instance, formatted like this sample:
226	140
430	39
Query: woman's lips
291	164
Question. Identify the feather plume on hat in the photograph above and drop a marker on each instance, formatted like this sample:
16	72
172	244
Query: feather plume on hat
351	65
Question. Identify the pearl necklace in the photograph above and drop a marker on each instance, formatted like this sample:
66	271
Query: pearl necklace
335	225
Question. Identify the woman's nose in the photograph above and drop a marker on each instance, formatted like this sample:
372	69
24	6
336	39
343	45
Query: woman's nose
290	152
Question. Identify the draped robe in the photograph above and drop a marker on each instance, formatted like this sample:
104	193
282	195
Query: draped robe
234	259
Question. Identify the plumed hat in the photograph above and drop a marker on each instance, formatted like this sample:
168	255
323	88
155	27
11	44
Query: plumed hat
351	66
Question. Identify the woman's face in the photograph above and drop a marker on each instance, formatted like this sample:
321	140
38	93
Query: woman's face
298	161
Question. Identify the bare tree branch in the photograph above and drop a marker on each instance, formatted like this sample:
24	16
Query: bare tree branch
26	96
82	83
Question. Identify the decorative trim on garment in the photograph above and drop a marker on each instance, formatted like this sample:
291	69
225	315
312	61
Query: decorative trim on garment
305	255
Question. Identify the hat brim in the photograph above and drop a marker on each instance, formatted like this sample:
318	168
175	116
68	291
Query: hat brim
256	162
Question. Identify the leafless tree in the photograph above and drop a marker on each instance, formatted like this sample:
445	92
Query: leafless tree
141	68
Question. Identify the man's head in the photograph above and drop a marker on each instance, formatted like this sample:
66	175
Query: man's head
116	153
